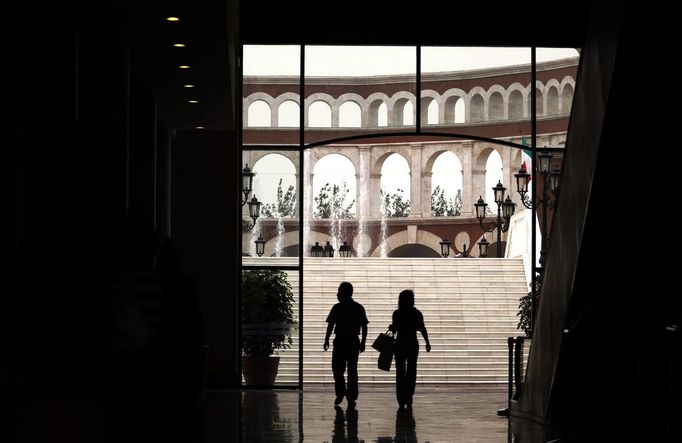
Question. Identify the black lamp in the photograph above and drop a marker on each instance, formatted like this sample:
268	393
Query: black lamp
260	246
254	210
483	247
328	250
522	179
480	208
247	182
499	192
316	250
345	250
554	180
545	158
445	247
508	208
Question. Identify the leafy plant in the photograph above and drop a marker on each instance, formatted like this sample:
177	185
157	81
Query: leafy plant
395	205
267	312
285	206
524	312
440	206
330	202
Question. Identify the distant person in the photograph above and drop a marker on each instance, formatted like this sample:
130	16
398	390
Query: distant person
346	318
407	320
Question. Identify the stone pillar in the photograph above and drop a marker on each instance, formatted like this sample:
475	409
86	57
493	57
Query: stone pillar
478	184
389	116
426	193
375	191
274	115
308	199
508	178
363	178
335	115
416	180
468	197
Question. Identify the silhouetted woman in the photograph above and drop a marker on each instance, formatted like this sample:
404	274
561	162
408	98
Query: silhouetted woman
407	320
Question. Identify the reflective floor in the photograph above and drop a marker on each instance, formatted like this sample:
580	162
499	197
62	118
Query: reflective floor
451	413
440	414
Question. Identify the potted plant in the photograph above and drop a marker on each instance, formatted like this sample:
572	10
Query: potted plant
267	322
524	312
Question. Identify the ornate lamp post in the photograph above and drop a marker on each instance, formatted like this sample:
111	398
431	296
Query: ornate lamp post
317	250
247	187
254	211
260	246
550	184
445	247
483	247
247	183
505	209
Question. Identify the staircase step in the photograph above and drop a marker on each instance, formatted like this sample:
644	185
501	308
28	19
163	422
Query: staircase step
469	307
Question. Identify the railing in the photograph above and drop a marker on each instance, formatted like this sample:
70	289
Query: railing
515	372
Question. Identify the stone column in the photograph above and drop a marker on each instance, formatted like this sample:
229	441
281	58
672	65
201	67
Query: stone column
363	177
478	184
335	115
375	191
308	203
426	193
274	115
468	197
508	178
416	180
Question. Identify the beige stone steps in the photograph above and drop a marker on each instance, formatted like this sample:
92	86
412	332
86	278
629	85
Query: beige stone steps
469	307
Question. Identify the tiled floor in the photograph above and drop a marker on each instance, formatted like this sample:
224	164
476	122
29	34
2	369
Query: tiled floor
454	413
446	413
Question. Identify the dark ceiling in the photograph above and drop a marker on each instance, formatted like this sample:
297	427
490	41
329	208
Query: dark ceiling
518	23
209	28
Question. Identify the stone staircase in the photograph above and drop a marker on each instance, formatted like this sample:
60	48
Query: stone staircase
469	308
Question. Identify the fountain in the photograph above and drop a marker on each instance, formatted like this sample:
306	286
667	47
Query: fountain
306	211
362	208
280	236
255	232
384	227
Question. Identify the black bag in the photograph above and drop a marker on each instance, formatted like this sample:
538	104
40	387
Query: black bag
385	344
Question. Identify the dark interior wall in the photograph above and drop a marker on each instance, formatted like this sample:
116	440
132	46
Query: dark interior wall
65	155
204	225
577	181
79	157
615	379
87	149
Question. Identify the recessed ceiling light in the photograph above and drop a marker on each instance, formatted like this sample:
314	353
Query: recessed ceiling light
183	66
187	86
179	45
193	101
199	127
172	19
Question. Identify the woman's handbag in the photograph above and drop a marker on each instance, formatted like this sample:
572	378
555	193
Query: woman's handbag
385	344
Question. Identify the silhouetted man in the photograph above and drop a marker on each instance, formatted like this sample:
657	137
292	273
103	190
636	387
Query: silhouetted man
349	318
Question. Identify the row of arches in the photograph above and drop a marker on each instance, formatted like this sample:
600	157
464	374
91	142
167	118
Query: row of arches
275	170
454	106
